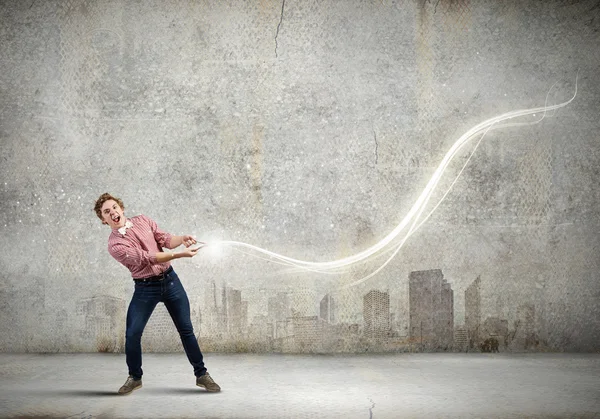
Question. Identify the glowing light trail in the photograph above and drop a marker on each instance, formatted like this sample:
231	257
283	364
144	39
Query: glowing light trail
394	241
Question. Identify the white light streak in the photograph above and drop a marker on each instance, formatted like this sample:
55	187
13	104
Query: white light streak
413	220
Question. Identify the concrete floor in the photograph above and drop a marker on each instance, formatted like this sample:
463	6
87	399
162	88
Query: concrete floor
304	386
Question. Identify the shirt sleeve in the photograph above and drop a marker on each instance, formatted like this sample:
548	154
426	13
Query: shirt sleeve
130	256
163	239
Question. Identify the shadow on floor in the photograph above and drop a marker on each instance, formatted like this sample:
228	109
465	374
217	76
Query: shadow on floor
73	393
177	390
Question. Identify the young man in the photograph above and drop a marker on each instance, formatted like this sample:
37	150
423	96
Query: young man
137	243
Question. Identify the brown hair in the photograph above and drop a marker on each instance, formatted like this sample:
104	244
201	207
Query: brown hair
103	198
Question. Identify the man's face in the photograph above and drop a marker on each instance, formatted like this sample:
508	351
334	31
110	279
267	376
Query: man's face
112	214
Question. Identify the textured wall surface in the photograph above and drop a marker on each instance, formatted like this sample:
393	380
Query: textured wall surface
309	128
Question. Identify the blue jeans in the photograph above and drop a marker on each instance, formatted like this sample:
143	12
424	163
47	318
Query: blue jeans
145	298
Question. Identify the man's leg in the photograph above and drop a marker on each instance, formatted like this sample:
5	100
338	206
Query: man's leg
176	301
142	304
178	305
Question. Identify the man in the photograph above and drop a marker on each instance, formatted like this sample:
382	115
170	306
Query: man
137	243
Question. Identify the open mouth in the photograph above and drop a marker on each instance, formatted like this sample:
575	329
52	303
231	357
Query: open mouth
116	219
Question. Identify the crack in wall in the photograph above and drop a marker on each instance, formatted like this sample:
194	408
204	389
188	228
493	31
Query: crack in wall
376	147
279	25
371	408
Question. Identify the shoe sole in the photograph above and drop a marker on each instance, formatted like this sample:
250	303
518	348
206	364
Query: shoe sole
204	387
129	392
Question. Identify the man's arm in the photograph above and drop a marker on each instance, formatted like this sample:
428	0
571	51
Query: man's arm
167	240
162	257
133	256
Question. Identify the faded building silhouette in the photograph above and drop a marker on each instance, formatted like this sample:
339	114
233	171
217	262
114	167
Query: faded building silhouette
495	328
103	322
308	333
160	334
225	324
279	307
232	312
279	320
244	317
431	302
524	334
212	327
260	333
376	314
473	312
461	338
327	309
342	337
283	335
304	302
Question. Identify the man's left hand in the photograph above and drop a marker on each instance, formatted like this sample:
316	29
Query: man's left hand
189	240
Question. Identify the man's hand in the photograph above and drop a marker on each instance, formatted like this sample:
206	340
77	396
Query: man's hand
188	252
176	241
190	240
186	240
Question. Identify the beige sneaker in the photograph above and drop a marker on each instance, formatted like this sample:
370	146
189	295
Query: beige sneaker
130	385
205	381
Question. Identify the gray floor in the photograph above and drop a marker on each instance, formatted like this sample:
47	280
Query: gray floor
304	386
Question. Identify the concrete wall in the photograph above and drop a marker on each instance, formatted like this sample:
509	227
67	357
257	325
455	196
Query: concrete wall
309	128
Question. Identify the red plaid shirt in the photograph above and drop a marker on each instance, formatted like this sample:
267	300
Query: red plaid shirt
137	249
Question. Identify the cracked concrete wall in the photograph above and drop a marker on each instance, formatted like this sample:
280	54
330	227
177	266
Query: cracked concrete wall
309	128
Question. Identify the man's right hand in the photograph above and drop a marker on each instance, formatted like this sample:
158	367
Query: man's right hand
188	252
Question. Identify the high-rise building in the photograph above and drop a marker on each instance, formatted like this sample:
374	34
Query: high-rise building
244	314
376	314
304	302
232	311
308	332
260	332
279	307
473	312
212	325
461	338
279	311
525	336
446	315
431	301
327	309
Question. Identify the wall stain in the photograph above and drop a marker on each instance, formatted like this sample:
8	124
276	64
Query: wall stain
256	165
